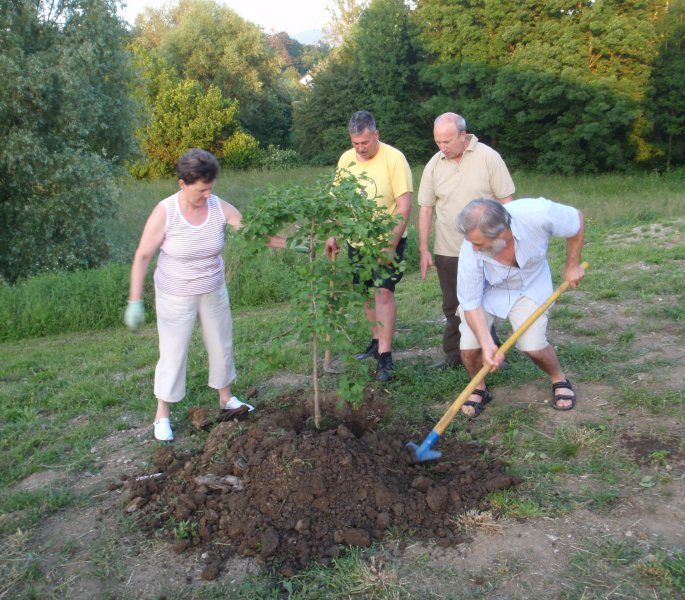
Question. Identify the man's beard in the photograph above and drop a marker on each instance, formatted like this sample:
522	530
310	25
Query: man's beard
497	246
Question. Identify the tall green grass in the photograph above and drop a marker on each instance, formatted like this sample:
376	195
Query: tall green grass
57	303
69	302
613	199
52	304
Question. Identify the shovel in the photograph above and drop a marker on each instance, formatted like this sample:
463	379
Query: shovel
423	452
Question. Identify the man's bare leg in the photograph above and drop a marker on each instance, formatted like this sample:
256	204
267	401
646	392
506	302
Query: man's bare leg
547	360
383	314
473	362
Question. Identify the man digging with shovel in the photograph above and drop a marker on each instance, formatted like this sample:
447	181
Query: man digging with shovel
503	273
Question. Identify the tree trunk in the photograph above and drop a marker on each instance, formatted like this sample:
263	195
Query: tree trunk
315	381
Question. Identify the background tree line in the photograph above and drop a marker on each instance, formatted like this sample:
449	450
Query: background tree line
555	85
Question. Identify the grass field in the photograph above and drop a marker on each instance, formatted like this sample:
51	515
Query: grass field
620	336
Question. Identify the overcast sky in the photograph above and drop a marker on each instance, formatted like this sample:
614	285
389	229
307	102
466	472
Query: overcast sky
280	15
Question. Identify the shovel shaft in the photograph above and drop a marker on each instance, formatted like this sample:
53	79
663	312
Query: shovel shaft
503	349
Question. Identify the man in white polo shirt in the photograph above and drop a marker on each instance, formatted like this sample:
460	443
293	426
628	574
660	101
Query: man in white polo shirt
464	169
504	273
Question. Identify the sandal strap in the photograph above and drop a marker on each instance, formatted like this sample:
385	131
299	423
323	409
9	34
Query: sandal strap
562	384
479	407
556	398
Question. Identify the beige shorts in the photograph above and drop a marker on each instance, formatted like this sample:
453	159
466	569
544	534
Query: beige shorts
535	338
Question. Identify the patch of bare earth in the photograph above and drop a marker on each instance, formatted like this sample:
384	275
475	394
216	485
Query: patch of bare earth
305	494
530	559
287	494
281	493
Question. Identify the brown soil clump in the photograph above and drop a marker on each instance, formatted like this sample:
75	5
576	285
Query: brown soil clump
276	488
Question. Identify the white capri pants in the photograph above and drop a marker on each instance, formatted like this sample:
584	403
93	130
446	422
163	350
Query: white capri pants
534	339
176	316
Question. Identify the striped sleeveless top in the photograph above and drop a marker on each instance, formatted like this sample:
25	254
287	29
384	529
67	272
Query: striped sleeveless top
190	260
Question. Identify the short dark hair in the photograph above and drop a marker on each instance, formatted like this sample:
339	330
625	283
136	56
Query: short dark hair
197	164
487	216
360	122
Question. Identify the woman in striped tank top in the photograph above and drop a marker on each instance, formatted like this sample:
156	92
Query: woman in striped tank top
188	230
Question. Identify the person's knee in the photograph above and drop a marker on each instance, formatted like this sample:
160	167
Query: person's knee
537	355
470	355
384	296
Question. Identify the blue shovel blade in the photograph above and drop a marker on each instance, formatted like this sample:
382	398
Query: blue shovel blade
423	452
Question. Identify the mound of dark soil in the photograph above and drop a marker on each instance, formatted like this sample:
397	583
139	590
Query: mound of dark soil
274	487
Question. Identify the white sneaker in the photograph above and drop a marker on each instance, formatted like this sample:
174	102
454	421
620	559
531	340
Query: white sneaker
234	403
163	431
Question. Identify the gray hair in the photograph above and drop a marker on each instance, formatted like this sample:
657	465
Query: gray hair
360	122
458	121
487	216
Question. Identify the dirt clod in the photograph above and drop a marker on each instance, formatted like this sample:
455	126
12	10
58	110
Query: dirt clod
199	417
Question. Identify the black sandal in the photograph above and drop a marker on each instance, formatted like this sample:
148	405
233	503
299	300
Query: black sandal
478	407
556	397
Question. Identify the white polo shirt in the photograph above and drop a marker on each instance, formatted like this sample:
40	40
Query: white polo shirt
482	281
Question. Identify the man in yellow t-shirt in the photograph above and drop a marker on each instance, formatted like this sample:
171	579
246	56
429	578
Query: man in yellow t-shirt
388	178
464	169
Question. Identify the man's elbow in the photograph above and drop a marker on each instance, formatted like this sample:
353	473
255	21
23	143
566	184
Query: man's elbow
581	222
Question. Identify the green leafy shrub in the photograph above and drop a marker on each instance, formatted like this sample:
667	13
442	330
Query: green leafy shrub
240	151
185	115
66	127
279	158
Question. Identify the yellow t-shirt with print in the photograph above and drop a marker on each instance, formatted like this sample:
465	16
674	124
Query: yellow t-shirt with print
388	175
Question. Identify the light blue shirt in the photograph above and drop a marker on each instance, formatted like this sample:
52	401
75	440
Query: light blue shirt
482	281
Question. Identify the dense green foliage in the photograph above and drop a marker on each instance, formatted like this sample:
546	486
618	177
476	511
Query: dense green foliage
558	86
293	54
207	42
667	90
555	85
185	116
65	124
